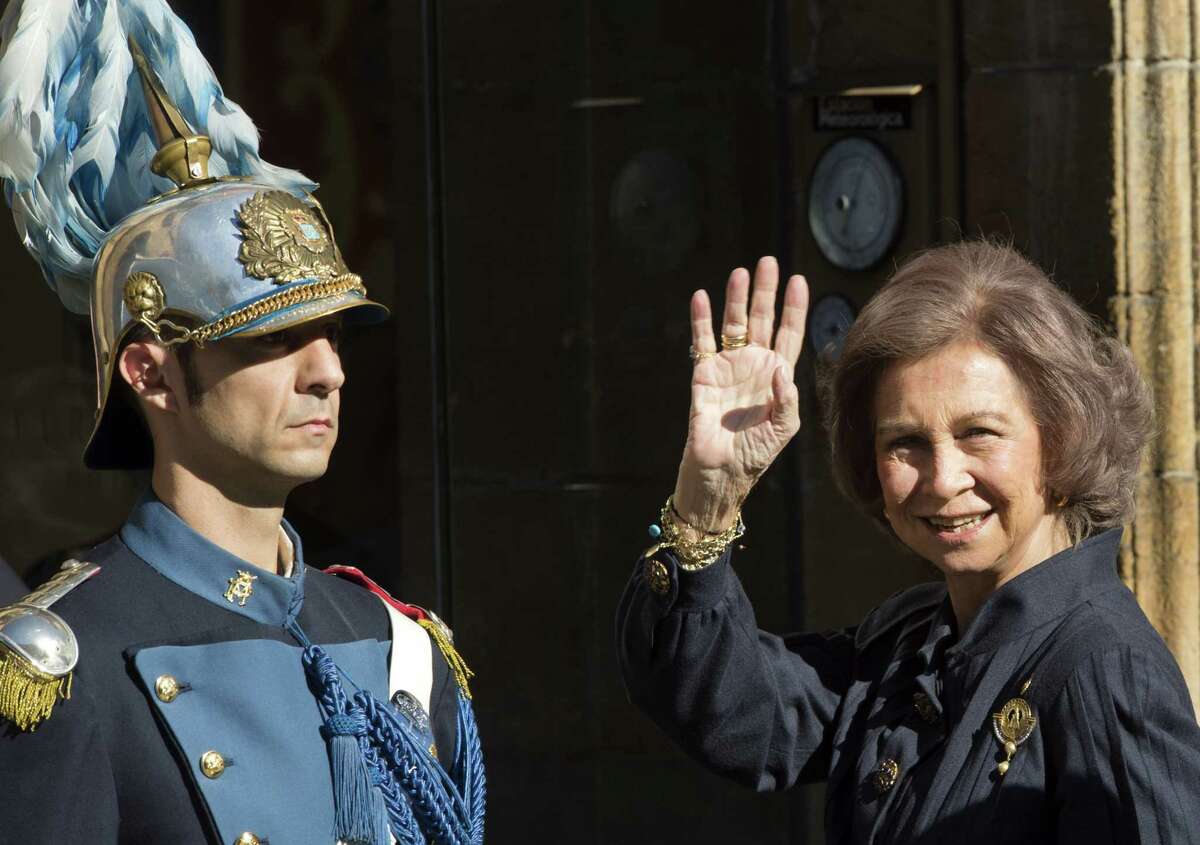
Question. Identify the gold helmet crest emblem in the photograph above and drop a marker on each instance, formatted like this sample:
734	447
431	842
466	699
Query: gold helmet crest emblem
283	239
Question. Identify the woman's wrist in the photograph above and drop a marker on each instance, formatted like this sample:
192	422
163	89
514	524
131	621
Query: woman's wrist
706	509
694	547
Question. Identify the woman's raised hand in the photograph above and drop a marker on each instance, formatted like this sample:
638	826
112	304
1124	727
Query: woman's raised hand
745	406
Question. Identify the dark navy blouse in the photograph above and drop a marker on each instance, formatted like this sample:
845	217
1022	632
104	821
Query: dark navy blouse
898	714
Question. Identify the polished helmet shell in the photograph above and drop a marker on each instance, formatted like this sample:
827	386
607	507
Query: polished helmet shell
206	263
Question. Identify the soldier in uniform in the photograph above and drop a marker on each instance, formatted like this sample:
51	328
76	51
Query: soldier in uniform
192	679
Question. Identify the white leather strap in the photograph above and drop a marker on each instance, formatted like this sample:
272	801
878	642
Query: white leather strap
410	666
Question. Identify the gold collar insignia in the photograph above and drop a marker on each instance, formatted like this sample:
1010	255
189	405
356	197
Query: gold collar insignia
241	587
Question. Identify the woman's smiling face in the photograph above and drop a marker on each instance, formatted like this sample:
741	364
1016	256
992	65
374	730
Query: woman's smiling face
958	454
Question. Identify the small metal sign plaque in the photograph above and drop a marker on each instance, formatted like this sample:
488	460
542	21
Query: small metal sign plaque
839	113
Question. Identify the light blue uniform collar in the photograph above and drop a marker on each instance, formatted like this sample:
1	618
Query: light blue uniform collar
157	535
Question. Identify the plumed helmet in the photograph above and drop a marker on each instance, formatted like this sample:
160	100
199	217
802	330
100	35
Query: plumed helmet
138	188
212	261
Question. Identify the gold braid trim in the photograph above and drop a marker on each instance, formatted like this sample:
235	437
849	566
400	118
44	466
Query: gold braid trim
298	295
28	696
453	659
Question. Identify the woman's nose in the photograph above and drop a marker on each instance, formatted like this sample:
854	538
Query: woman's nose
947	473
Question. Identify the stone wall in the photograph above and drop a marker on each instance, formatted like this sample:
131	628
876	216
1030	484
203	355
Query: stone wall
1154	233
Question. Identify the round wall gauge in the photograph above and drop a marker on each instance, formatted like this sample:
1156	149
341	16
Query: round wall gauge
832	316
855	203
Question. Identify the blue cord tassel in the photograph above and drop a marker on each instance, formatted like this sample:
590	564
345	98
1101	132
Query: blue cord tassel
379	813
381	772
357	805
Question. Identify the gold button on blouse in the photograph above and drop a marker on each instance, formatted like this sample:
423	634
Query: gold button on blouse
246	838
166	688
925	708
886	774
657	576
212	764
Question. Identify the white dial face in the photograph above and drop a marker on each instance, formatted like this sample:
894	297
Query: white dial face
855	203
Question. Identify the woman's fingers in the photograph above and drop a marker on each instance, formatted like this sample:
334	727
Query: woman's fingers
737	296
790	339
702	327
762	301
785	413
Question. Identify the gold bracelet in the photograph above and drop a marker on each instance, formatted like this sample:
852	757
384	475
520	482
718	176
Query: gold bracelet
695	554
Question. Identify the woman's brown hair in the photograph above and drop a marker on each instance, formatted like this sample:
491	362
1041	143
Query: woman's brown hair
1092	408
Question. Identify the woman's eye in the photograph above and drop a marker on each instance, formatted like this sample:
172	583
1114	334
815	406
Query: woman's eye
979	433
274	339
907	442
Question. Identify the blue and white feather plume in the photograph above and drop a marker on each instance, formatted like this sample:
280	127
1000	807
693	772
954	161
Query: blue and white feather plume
75	134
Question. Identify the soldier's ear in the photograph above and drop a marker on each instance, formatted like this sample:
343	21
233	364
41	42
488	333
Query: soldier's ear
152	374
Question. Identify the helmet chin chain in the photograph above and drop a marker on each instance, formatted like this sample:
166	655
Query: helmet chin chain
182	333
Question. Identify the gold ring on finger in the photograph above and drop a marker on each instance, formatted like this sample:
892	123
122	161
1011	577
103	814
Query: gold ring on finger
734	341
696	355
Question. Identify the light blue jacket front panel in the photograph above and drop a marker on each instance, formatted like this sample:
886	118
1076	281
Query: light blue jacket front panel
249	700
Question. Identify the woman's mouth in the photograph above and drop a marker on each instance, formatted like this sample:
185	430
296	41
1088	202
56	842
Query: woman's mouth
957	528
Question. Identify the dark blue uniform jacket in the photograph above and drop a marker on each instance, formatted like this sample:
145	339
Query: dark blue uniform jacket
116	764
897	714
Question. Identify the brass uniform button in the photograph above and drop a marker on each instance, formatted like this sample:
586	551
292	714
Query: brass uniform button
886	775
212	764
247	838
925	708
657	576
166	688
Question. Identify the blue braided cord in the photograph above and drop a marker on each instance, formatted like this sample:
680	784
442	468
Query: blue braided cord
469	766
345	724
433	795
293	612
451	808
293	628
400	816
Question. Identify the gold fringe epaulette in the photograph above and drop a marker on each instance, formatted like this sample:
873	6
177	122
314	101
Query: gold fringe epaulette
38	650
27	696
441	635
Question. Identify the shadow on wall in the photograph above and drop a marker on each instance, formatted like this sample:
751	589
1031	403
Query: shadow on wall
52	501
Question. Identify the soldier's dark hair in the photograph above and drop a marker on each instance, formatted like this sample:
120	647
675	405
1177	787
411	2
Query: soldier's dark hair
1093	410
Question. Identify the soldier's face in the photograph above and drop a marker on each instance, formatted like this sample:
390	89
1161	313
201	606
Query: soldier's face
265	410
958	454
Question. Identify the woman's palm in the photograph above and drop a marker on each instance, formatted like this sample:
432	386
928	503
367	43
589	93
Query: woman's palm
745	406
732	403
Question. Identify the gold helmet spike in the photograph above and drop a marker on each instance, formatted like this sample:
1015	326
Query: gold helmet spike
182	154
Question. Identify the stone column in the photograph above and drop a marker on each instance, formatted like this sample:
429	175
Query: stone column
1155	151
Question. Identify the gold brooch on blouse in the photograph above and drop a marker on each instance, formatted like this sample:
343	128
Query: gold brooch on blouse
1013	725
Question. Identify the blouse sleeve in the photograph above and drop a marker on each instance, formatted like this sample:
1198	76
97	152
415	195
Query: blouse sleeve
751	706
1129	752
